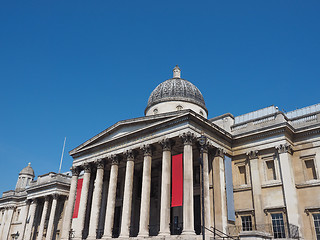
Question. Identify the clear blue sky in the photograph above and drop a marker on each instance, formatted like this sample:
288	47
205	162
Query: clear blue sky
73	68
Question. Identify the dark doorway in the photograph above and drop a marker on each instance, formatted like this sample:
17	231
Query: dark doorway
197	214
116	223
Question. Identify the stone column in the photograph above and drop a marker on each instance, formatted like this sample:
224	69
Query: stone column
285	152
83	201
206	191
188	215
127	195
219	188
67	219
3	221
165	188
7	223
111	202
256	186
145	192
96	201
51	217
43	218
29	226
24	216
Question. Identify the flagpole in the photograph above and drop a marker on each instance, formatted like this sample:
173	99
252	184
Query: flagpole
64	143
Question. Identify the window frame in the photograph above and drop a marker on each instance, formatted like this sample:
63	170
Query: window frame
312	158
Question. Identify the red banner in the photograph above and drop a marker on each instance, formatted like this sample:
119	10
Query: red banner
177	181
77	203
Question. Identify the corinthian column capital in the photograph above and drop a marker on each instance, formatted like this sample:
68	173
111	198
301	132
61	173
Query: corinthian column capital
130	154
252	154
75	171
100	163
115	160
219	152
284	148
147	150
166	144
187	138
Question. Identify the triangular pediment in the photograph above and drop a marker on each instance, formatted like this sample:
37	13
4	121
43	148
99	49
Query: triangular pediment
123	128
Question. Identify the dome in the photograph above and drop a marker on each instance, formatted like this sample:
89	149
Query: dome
176	89
28	170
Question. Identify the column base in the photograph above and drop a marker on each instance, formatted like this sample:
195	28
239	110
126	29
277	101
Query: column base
106	237
164	234
143	235
124	236
188	232
91	238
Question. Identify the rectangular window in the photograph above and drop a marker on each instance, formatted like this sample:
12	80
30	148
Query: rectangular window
316	218
271	171
246	223
278	225
242	175
310	170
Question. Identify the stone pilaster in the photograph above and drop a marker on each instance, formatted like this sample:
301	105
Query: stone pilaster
127	196
43	218
7	223
83	201
188	207
145	193
52	216
165	187
111	197
256	186
285	153
96	200
67	220
219	186
3	221
24	216
29	226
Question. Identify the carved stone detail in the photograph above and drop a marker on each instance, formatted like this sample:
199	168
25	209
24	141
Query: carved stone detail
205	145
187	138
130	154
115	160
75	171
55	196
284	148
100	164
220	152
166	144
147	150
87	167
252	154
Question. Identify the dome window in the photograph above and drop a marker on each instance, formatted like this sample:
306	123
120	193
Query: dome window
155	111
201	113
179	108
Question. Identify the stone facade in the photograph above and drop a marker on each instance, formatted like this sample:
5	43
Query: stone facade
121	178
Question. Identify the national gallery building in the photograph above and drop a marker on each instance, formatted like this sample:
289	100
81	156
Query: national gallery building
175	174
